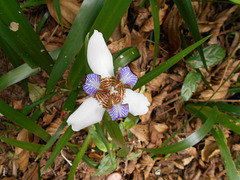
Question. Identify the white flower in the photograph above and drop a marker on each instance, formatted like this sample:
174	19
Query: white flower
108	92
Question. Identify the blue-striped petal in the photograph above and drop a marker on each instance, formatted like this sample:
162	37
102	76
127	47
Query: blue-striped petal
127	77
118	111
92	84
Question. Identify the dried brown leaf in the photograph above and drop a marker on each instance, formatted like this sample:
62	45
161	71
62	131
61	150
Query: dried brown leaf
69	10
23	155
141	132
171	27
220	19
47	118
221	94
149	26
149	163
52	128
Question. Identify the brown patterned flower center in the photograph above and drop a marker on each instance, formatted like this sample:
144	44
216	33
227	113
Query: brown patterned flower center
111	92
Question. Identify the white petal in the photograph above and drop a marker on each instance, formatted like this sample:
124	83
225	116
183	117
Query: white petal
89	112
99	57
138	103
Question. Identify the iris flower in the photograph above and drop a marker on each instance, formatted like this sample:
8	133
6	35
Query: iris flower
107	91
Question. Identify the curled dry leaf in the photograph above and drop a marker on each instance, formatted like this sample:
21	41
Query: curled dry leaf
149	163
220	19
210	150
156	133
156	83
171	27
141	132
52	128
144	117
221	94
47	119
149	26
23	155
69	10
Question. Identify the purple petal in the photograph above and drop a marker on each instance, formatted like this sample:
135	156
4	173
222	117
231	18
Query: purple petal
118	111
92	84
127	77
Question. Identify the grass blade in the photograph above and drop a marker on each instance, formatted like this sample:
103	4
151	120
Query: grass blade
166	65
20	36
60	144
16	75
229	165
114	131
155	15
79	156
58	10
75	39
186	10
22	144
23	121
190	140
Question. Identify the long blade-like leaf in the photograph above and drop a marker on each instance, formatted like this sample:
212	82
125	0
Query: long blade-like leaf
166	65
190	140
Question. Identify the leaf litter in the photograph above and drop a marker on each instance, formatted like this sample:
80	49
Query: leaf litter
166	114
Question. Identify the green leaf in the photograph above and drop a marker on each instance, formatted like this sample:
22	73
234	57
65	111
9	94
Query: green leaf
60	144
22	144
79	156
203	112
58	10
229	165
186	10
23	121
16	75
42	22
75	39
27	109
128	123
106	166
32	3
155	15
110	16
228	108
125	57
97	140
35	92
20	36
190	85
213	55
104	140
114	131
190	140
166	65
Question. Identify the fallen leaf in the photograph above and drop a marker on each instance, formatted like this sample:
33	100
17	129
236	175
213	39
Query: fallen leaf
23	155
69	10
141	132
221	94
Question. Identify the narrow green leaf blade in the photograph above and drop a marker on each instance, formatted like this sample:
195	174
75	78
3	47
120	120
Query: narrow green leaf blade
20	36
229	165
16	75
156	23
22	144
190	140
186	10
114	131
60	144
79	156
58	10
23	121
166	65
75	39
